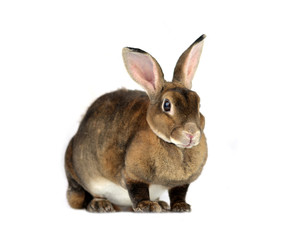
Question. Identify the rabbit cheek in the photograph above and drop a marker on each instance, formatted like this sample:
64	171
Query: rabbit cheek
159	125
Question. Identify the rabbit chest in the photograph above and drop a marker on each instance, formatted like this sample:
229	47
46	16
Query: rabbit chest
165	164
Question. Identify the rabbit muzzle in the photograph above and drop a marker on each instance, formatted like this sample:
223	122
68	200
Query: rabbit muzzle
187	136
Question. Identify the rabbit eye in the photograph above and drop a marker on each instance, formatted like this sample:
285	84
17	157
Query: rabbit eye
167	105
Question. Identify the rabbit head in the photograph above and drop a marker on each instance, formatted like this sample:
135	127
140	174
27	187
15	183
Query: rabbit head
173	113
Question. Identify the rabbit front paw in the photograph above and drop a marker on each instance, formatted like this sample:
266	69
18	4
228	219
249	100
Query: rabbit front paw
148	206
165	207
100	206
181	207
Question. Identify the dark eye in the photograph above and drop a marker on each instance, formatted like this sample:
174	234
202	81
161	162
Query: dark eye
167	105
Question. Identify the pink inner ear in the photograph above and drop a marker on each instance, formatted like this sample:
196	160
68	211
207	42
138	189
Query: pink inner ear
193	61
141	68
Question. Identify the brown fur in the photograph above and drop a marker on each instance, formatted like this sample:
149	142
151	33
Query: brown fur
116	141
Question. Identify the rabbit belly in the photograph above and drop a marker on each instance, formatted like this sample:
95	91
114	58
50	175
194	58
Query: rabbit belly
118	195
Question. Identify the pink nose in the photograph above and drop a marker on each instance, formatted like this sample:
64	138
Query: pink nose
189	136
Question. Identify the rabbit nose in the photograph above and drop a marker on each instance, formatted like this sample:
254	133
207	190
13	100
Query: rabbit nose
190	136
193	137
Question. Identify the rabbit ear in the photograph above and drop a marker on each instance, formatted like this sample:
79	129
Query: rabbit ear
188	62
144	69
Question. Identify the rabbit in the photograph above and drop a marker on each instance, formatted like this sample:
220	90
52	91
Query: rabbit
132	146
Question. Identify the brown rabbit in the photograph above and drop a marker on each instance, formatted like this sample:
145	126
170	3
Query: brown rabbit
132	146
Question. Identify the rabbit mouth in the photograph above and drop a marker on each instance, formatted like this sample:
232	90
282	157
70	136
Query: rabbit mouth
190	145
182	145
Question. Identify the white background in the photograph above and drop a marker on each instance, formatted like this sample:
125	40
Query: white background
56	57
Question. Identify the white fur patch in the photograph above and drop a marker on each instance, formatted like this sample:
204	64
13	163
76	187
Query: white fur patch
156	191
118	195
